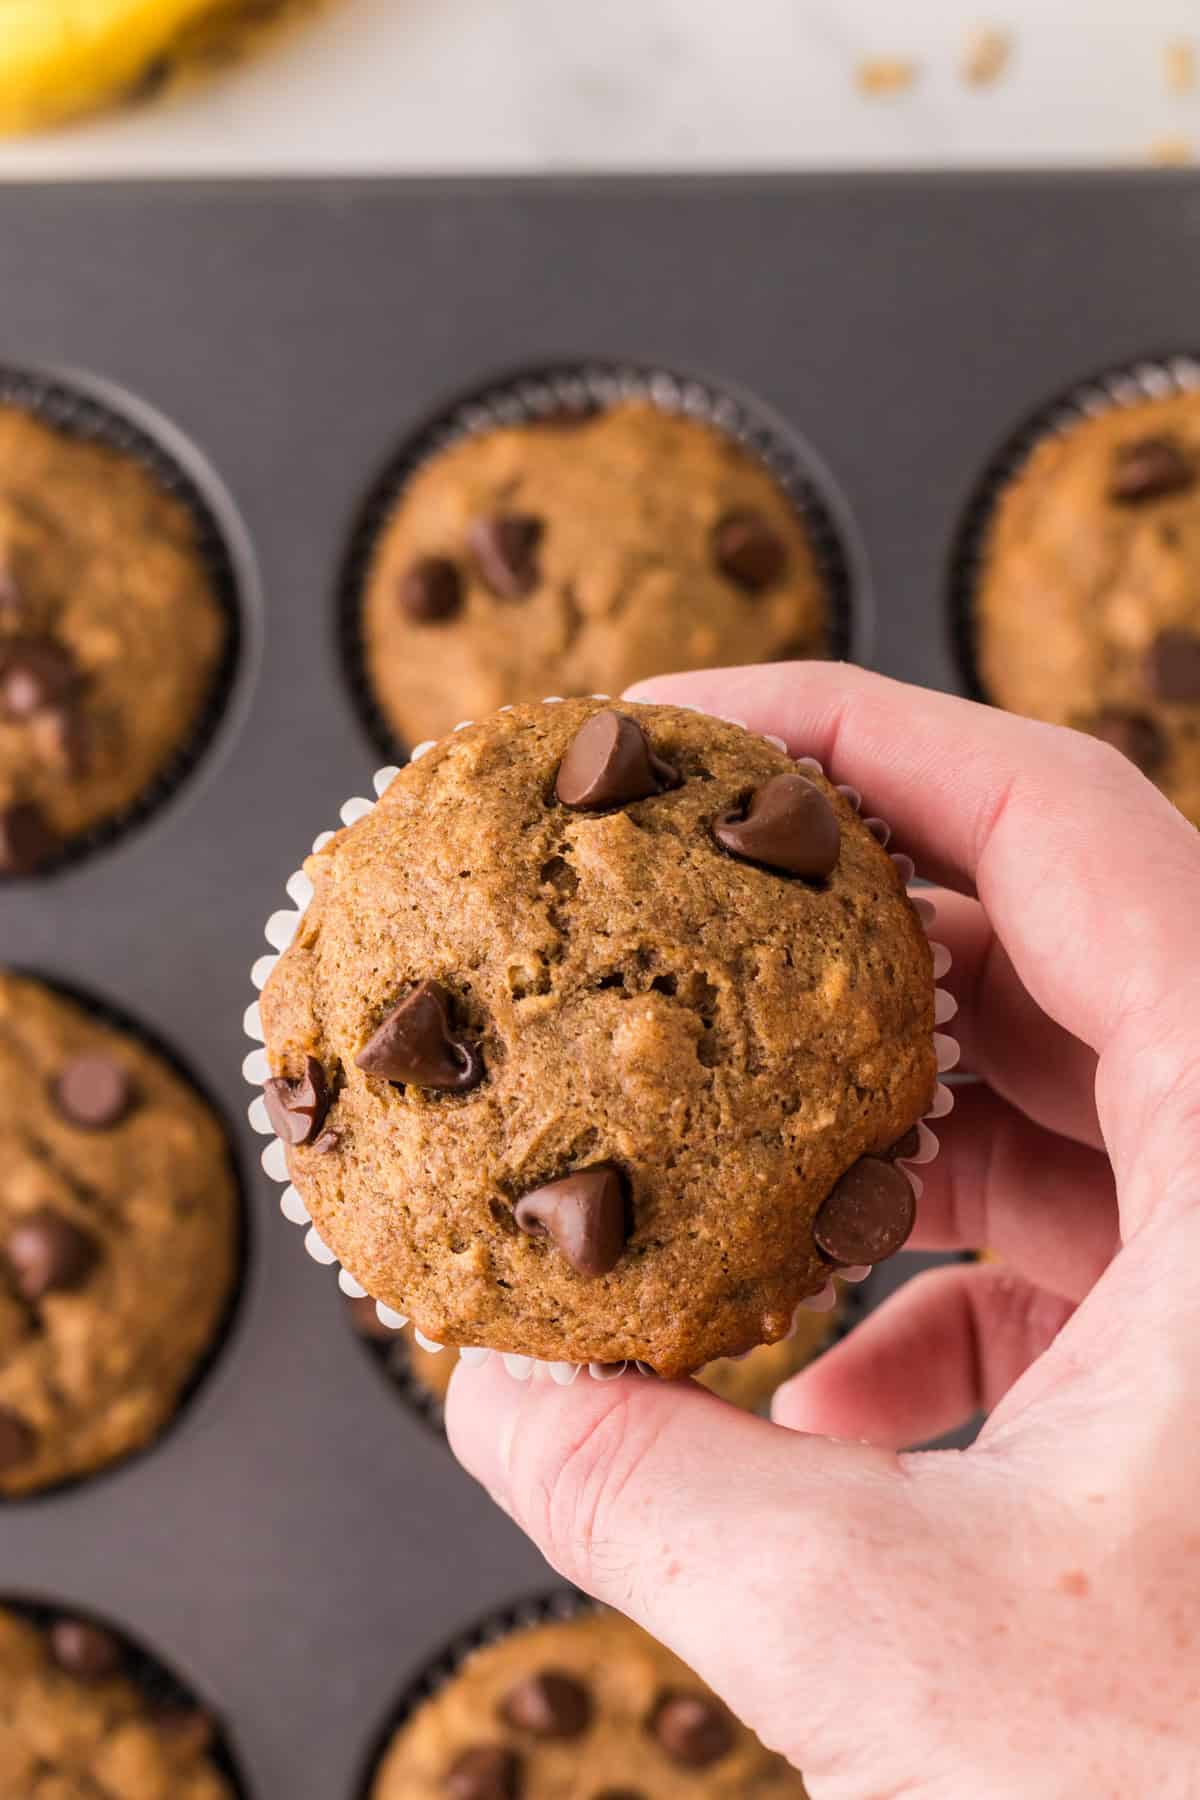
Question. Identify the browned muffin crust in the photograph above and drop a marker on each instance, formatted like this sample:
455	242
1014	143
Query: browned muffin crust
118	1239
1088	607
576	1710
620	994
578	558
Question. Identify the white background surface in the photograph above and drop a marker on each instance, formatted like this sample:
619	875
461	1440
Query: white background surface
430	85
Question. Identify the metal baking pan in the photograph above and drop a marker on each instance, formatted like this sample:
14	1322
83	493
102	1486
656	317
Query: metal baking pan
301	1542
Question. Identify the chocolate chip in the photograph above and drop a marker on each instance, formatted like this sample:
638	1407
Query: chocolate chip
584	1215
505	547
297	1108
1173	667
1148	469
366	1320
610	763
905	1148
17	1440
789	825
85	1650
692	1729
1133	734
68	738
328	1140
48	1254
431	590
36	675
93	1092
868	1215
27	840
416	1046
548	1704
487	1774
748	549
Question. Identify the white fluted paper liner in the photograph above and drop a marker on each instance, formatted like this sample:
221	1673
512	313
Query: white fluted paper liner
281	929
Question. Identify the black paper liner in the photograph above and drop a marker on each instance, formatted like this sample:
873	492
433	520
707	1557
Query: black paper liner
551	1607
147	1672
582	388
392	1360
106	1012
1122	385
80	414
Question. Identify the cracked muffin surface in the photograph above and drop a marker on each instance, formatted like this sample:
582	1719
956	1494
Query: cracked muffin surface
111	636
118	1238
580	555
1088	605
578	1081
73	1727
579	1709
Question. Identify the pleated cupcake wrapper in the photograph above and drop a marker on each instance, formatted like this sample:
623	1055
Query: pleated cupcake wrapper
581	388
557	1607
153	1678
281	928
105	1012
80	414
1126	385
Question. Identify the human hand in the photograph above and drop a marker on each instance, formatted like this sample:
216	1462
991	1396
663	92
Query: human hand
1021	1618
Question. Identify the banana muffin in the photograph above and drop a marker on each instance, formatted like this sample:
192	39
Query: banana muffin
118	1239
577	556
111	636
600	1036
1088	606
74	1726
589	1708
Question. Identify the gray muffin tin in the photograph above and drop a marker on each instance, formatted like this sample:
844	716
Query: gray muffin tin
300	1543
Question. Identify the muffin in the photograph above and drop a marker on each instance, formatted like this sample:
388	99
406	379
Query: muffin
580	1709
111	636
600	1038
74	1726
578	555
1087	611
118	1239
750	1381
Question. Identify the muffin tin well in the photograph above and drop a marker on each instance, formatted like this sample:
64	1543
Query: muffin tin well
302	1542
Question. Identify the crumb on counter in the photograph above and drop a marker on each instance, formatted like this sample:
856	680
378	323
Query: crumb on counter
986	55
1179	66
878	76
1173	151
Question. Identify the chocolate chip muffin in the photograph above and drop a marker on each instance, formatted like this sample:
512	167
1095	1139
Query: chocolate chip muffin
750	1381
599	1036
73	1726
1088	606
579	555
111	636
118	1238
581	1709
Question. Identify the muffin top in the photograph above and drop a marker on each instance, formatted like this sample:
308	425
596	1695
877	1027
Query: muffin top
597	1034
584	1709
118	1233
578	555
73	1727
110	636
1088	608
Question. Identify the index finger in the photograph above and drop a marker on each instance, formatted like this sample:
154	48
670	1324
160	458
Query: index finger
1087	873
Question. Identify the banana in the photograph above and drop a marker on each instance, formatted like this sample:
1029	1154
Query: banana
62	58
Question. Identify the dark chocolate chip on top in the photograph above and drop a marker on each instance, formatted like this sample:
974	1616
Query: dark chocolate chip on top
868	1215
549	1704
787	825
747	548
1173	667
487	1773
94	1092
431	590
27	839
584	1214
297	1108
36	675
608	763
416	1045
1148	469
505	547
1134	734
85	1650
693	1729
48	1253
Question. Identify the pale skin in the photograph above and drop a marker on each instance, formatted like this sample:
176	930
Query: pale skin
1023	1617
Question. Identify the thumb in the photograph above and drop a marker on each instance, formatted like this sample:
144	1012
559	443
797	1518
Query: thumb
757	1554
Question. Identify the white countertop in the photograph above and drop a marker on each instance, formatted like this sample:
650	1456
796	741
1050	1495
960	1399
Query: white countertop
436	85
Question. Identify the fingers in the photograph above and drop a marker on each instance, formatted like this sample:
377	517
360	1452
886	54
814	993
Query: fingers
1088	875
711	1528
1047	1204
1007	1040
948	1345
